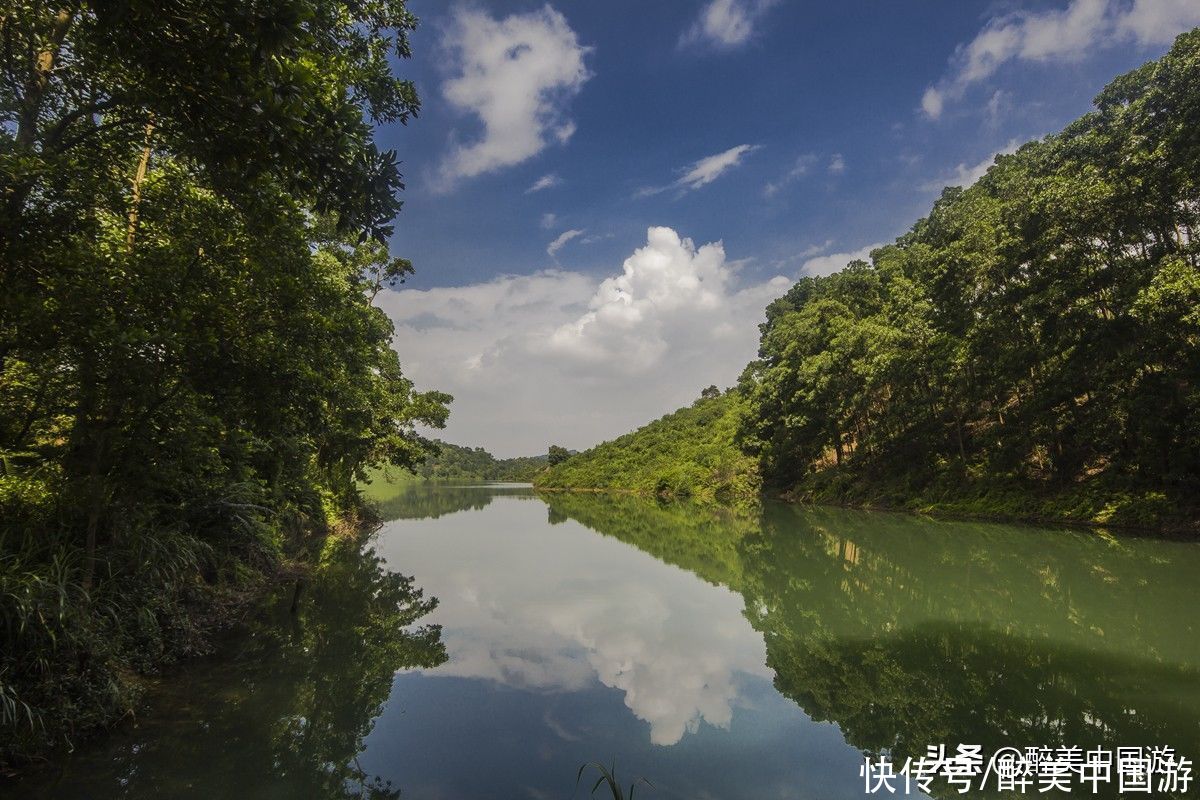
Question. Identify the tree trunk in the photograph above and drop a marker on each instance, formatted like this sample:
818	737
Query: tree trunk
39	80
34	97
95	510
138	177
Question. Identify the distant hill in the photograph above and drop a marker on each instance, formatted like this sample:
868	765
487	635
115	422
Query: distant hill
689	453
454	462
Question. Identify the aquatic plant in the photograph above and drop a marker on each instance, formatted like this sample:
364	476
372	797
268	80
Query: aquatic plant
608	779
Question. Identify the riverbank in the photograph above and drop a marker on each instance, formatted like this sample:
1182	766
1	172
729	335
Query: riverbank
283	700
105	655
1098	503
1150	512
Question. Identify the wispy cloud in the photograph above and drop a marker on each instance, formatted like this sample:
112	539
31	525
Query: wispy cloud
1055	35
816	249
559	243
544	182
837	164
517	75
704	171
966	174
549	220
799	168
726	24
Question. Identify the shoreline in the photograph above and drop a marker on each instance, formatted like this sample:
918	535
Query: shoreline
1188	530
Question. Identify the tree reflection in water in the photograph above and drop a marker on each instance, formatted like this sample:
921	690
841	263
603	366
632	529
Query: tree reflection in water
907	632
433	499
288	711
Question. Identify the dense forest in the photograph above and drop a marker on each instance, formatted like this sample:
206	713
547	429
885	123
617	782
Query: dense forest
690	453
1030	349
192	203
1036	336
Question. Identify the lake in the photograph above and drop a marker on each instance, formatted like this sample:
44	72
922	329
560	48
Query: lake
719	653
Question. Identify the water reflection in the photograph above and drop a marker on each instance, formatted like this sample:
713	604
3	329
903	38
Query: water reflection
556	609
285	715
421	500
906	632
724	653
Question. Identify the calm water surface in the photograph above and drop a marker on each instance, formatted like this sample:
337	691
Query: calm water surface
720	654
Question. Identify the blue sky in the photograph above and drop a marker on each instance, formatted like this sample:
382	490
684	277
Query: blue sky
787	135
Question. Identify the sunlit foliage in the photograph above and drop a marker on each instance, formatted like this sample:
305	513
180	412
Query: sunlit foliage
1037	334
689	453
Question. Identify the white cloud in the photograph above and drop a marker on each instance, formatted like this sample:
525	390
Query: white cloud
544	182
825	265
966	174
562	357
704	171
800	167
516	75
816	249
726	24
1159	21
997	106
558	244
932	102
549	220
837	164
1065	34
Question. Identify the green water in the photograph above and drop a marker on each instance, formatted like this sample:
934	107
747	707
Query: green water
720	654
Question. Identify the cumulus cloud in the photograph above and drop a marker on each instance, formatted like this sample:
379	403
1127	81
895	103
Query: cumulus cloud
726	24
676	647
559	356
828	264
1059	35
704	171
966	174
661	284
544	182
517	76
558	244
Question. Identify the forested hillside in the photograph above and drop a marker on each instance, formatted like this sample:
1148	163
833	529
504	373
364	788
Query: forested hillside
1031	347
192	373
688	453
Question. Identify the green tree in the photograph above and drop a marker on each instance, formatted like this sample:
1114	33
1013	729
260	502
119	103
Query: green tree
1034	335
557	455
192	374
